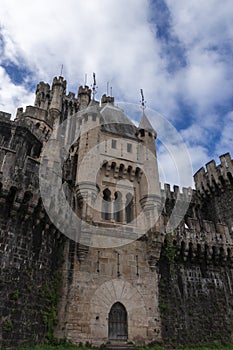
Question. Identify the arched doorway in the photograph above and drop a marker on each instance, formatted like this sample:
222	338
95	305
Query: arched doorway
117	322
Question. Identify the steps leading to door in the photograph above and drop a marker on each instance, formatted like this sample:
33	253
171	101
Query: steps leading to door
121	345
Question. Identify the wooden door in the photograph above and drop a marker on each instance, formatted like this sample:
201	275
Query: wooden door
117	322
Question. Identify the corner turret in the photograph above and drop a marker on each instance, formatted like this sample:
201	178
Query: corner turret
84	96
43	94
107	99
150	190
147	133
146	125
58	91
215	189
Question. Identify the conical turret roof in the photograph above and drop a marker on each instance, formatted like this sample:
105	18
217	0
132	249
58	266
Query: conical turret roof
145	124
115	121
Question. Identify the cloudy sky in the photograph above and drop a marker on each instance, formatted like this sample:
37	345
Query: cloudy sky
179	52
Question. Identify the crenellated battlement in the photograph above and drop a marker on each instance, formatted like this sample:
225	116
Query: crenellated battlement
84	90
20	146
107	99
42	89
201	240
216	176
184	194
22	173
5	117
19	191
59	81
180	263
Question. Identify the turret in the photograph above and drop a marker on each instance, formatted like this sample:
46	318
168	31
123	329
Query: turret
149	187
215	188
107	99
84	96
42	96
147	133
215	176
58	91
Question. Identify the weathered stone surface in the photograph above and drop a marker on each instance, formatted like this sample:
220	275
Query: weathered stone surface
175	287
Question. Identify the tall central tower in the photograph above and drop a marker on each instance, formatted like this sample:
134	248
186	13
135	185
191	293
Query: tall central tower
114	174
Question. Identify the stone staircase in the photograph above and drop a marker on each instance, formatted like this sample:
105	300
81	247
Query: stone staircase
121	345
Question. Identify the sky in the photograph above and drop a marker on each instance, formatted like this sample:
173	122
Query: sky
179	52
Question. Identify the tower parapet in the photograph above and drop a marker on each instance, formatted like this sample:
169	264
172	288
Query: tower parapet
107	99
215	190
43	96
111	182
215	176
84	96
183	194
195	240
36	120
58	93
5	117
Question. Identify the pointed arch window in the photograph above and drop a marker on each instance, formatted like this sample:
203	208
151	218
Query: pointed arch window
117	206
129	208
106	205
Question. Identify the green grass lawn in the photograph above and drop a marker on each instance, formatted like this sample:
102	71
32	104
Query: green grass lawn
75	347
211	347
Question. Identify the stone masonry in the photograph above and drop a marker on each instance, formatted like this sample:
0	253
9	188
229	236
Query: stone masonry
119	274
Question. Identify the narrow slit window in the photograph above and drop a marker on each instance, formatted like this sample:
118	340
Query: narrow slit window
114	144
129	147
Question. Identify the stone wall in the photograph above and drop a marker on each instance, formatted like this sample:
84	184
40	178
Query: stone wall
30	254
30	247
179	294
106	276
195	298
215	191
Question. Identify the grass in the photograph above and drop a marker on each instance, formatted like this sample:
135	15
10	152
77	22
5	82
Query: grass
210	347
55	347
89	347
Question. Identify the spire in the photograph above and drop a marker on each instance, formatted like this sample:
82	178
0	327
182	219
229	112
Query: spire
145	124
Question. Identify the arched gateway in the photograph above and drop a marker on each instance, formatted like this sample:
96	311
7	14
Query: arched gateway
117	322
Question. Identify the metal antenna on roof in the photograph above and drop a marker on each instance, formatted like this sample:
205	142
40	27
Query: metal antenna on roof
94	87
143	102
61	70
85	80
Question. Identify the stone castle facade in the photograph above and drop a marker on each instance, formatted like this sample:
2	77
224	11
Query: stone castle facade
126	272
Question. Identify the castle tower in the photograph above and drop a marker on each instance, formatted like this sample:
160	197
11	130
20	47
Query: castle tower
214	187
150	197
84	96
58	93
124	278
117	204
42	99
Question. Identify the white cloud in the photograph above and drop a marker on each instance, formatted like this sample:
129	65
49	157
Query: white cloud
202	23
107	36
111	38
12	96
174	167
199	156
114	39
177	170
206	33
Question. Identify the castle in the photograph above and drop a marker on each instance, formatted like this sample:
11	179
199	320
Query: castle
126	263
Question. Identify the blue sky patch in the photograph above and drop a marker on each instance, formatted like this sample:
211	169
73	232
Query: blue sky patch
172	49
